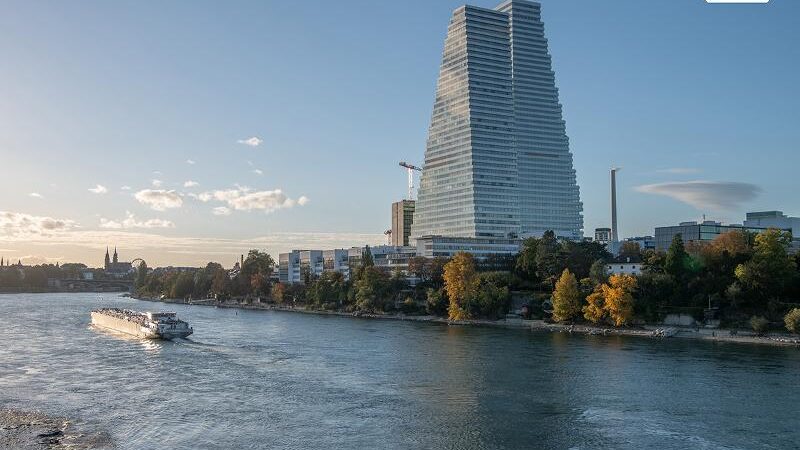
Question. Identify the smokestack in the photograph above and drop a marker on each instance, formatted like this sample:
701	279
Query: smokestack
614	234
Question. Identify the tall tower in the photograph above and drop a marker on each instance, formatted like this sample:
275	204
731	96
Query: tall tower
116	258
497	160
107	260
614	232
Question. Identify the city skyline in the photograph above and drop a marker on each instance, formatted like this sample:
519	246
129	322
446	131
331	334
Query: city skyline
181	146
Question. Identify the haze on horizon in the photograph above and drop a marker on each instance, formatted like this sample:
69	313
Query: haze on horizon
192	131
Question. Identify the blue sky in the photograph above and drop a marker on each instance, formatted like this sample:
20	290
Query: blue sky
119	94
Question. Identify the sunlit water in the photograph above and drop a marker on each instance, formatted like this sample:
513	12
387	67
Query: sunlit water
260	379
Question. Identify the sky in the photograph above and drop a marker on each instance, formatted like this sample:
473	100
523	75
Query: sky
183	132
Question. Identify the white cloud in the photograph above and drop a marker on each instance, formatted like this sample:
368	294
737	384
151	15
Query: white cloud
221	211
703	195
302	200
679	170
20	224
157	183
258	172
159	199
244	199
190	183
126	188
131	222
99	189
190	161
35	195
252	141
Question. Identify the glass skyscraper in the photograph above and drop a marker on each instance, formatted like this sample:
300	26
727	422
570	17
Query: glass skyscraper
497	161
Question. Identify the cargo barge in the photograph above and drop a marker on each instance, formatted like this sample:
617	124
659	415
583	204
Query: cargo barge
147	325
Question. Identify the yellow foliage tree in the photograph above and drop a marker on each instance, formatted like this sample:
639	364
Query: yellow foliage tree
618	295
566	297
594	311
460	282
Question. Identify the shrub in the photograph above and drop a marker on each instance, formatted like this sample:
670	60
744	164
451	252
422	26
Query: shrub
792	320
759	324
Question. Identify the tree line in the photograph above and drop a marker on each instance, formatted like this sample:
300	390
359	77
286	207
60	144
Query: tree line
745	279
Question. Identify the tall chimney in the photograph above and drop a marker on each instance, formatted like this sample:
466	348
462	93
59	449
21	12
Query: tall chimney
614	234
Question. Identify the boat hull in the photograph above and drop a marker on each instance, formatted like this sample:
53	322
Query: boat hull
135	329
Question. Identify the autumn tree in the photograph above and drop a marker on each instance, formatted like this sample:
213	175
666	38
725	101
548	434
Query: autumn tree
460	282
618	296
566	298
594	310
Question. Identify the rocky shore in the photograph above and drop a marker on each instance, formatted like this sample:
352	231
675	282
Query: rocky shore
648	331
33	430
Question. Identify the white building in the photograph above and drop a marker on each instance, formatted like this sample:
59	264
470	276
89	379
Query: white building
624	265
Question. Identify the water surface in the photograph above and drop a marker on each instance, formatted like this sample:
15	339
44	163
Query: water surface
263	379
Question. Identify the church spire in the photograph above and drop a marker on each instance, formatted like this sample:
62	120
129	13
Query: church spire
108	260
116	258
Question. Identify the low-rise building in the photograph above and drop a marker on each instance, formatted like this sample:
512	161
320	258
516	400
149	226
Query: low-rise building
698	232
602	235
624	265
644	242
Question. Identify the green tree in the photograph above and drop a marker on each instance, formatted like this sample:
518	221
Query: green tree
526	259
759	324
770	270
598	273
676	261
371	289
549	258
566	298
436	302
491	297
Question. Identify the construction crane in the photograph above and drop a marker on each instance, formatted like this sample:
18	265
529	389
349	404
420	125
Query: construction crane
411	168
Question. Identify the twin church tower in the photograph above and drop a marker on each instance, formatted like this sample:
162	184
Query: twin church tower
497	160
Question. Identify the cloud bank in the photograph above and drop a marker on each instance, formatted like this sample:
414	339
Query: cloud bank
14	224
703	195
131	222
159	199
243	199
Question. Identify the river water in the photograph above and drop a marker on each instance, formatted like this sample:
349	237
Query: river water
264	379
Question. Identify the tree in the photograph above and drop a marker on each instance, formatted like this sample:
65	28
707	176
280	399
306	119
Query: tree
141	275
759	324
436	302
278	292
566	298
549	260
630	249
579	257
460	282
792	320
770	269
526	259
491	297
598	273
420	267
594	311
371	289
676	260
329	289
618	295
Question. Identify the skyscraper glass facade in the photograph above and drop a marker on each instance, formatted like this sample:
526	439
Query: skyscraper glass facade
497	161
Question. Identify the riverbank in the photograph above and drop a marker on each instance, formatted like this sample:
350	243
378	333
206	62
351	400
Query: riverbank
648	331
32	430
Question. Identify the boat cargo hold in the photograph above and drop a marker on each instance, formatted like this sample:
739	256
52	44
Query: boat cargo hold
148	325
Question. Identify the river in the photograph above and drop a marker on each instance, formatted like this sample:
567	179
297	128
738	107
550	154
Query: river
268	379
